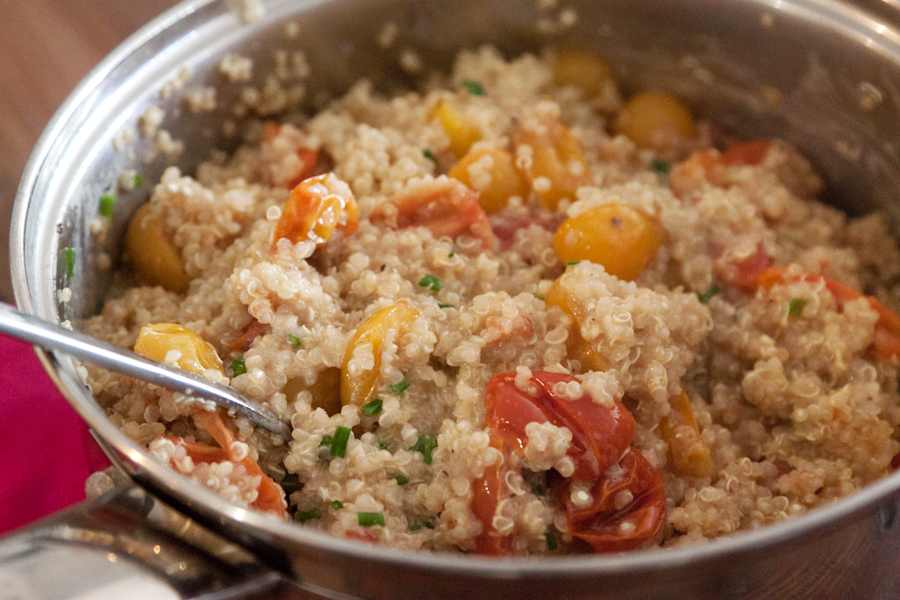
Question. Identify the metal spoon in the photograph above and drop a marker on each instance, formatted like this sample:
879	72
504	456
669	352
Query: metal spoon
93	351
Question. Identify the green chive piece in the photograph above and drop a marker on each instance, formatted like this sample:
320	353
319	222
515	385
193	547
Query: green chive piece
445	305
796	306
107	205
419	524
429	155
68	256
788	424
399	388
290	482
473	87
326	441
415	526
372	408
706	296
572	263
302	516
368	519
551	540
432	282
339	445
401	479
451	255
295	341
539	490
660	166
138	180
425	445
382	445
238	366
337	505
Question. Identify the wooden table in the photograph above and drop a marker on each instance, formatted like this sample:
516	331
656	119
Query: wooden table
46	47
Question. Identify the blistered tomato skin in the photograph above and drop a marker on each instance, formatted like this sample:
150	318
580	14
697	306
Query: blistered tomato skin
618	236
599	434
315	209
607	526
445	206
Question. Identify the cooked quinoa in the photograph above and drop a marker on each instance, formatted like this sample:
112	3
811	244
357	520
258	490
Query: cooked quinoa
741	307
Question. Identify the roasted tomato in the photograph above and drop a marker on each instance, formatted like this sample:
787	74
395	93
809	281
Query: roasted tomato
628	504
600	435
628	508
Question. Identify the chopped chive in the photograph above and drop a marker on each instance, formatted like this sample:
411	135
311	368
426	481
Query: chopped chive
372	408
337	505
238	366
473	87
290	483
419	524
572	263
536	295
551	540
706	296
660	166
382	445
445	305
451	255
788	424
339	445
138	180
68	255
425	445
399	388
295	341
429	155
539	490
367	519
302	516
401	479
107	205
432	282
796	306
326	440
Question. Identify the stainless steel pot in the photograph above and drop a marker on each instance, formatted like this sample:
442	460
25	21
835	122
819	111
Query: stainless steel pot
823	74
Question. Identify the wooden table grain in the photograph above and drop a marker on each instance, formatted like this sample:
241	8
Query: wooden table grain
46	47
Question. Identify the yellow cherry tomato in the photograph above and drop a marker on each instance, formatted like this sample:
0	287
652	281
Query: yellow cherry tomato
618	236
654	120
194	354
153	257
501	178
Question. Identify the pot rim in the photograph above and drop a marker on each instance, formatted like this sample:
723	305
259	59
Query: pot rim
847	19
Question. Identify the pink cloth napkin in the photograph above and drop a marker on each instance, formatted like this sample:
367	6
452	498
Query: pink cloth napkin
46	451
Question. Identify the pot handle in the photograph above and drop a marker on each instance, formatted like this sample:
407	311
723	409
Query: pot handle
129	544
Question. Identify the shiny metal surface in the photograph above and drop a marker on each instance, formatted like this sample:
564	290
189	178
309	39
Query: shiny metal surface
95	352
800	69
130	545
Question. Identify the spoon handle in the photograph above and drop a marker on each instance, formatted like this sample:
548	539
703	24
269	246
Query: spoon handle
96	352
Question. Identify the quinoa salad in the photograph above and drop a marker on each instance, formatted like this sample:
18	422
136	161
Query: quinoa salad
515	312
